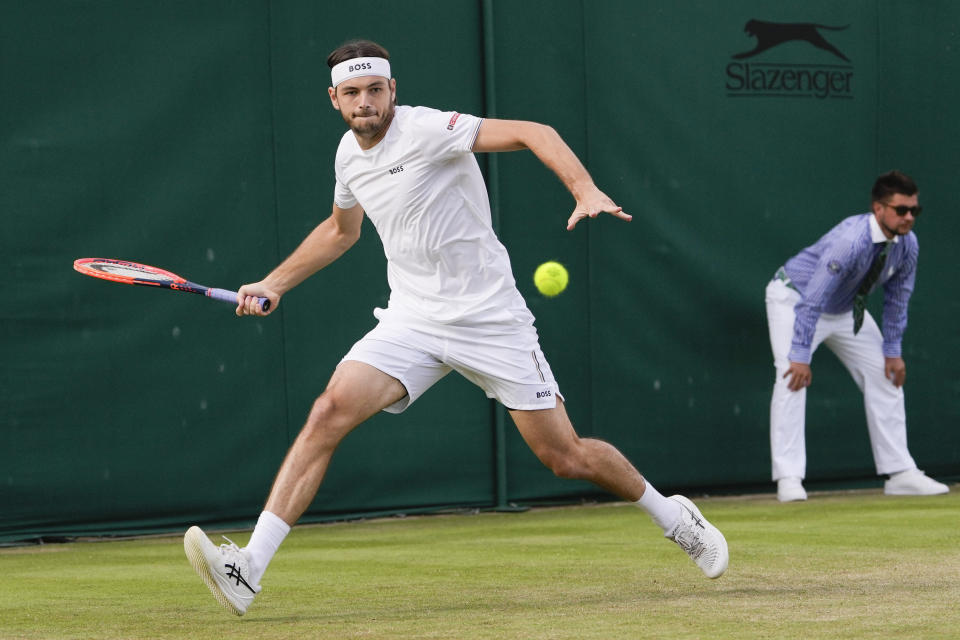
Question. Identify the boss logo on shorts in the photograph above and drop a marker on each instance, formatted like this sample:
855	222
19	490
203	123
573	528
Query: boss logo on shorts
363	66
544	394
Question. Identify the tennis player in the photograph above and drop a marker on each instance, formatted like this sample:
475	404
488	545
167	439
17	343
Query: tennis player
453	305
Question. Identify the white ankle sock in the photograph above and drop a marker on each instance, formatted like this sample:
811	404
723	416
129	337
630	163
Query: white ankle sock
664	511
267	536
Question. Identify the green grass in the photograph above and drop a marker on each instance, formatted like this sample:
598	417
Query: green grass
842	565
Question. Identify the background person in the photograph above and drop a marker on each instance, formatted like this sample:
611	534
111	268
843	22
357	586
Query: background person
817	297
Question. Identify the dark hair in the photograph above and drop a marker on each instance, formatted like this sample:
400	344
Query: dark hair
892	183
356	49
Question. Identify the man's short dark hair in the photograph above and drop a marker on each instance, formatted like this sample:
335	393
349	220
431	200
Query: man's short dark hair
356	49
892	183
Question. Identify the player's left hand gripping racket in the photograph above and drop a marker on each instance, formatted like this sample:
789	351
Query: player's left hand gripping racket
142	274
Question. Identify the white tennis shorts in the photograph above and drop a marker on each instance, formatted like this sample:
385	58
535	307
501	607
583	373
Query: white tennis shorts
504	360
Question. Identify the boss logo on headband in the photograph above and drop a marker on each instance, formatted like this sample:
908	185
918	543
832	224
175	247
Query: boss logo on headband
359	67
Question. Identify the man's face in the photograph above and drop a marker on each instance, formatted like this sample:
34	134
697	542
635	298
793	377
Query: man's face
892	223
366	104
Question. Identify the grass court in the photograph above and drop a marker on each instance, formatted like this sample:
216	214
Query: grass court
841	565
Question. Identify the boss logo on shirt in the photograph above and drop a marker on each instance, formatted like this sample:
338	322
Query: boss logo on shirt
397	169
544	394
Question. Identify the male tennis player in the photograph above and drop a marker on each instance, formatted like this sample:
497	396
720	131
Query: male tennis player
453	305
817	297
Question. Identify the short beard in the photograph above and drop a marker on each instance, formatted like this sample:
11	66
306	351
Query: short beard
373	130
895	232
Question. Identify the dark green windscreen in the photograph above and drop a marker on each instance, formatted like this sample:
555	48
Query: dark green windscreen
199	137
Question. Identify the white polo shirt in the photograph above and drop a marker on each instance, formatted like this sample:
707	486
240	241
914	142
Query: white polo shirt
423	190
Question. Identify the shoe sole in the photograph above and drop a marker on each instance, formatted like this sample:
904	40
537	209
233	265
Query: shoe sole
686	502
193	546
795	498
914	493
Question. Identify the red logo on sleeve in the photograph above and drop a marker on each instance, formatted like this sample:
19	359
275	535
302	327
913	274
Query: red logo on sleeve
453	121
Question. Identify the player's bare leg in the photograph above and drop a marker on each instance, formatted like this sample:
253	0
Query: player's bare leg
551	436
355	392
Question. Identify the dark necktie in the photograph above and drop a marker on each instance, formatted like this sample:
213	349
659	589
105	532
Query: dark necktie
860	301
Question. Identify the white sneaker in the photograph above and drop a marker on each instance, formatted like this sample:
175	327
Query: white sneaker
702	541
223	569
790	490
913	482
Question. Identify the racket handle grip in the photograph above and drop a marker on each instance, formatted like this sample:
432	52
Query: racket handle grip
231	297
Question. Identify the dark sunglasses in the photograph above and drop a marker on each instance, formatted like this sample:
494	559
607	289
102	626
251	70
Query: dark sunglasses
903	209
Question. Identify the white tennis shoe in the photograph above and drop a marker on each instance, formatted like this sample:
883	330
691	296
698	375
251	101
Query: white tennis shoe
702	541
790	489
913	483
224	569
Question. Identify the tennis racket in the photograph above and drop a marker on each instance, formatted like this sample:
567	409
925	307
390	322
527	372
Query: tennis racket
142	274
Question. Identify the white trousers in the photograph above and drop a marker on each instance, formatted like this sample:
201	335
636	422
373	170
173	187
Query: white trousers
862	355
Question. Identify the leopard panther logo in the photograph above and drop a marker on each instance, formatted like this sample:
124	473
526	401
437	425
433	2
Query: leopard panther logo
772	34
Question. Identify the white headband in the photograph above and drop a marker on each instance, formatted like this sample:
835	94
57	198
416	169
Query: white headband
359	67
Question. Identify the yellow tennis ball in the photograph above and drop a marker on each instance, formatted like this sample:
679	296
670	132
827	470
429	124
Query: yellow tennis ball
551	278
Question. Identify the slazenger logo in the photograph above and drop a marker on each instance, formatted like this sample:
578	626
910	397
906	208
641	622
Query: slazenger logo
771	34
803	78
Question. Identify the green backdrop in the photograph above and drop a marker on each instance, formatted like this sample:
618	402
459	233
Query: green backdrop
199	137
